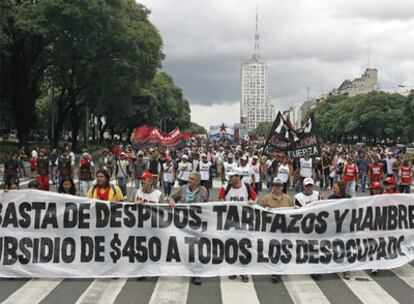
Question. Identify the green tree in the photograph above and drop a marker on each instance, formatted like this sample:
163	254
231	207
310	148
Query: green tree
263	129
195	128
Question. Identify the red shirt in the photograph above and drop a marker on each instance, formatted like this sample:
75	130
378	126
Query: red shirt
406	176
350	173
376	171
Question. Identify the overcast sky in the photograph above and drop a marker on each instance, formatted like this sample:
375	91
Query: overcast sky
315	43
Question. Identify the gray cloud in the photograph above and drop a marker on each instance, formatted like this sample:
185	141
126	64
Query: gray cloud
313	43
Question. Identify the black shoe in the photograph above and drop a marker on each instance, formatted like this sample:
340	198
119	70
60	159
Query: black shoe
140	278
196	280
232	277
244	278
316	276
276	278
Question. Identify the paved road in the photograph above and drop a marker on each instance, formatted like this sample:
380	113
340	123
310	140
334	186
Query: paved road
390	286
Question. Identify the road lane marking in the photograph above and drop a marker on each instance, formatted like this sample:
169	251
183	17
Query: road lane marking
33	291
170	290
238	292
303	289
405	273
367	290
102	291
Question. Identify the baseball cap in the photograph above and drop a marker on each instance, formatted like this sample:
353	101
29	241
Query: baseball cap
236	171
376	185
185	156
203	155
277	181
308	181
123	153
389	180
243	158
146	174
255	157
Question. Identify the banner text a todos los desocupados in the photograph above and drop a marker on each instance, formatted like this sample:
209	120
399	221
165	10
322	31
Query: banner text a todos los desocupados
45	234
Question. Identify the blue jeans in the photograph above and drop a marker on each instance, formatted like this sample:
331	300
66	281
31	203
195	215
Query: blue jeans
363	180
167	188
122	184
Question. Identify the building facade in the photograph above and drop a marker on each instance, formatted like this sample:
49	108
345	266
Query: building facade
361	85
255	102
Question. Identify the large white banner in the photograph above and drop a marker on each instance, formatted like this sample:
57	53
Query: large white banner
45	234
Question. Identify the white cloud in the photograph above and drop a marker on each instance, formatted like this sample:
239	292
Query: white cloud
315	43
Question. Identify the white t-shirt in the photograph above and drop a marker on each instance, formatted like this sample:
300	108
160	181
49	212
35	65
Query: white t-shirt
204	169
256	171
247	174
183	171
148	198
302	200
283	172
228	168
168	172
306	167
238	195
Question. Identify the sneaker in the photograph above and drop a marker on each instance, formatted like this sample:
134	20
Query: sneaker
244	278
347	275
140	278
196	280
316	277
276	278
374	272
232	277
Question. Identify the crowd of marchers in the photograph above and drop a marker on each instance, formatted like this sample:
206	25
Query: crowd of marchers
175	176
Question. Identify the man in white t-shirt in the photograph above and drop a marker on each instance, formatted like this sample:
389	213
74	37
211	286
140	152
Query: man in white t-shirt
228	165
204	167
307	196
247	171
183	171
306	168
147	194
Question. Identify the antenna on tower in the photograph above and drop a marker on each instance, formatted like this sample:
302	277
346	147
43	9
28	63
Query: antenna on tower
368	55
256	53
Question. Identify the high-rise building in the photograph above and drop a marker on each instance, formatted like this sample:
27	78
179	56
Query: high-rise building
255	103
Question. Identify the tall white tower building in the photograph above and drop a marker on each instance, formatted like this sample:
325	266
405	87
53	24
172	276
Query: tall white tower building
255	103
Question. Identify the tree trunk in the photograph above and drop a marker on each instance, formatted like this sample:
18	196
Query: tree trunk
74	121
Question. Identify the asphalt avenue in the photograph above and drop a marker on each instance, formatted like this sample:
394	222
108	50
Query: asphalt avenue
387	287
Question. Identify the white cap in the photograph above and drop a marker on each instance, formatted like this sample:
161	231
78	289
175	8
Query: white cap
203	155
255	157
244	157
277	180
236	171
185	156
123	153
308	181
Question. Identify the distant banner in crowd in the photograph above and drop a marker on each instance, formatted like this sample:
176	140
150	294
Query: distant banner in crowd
221	132
146	136
294	143
46	234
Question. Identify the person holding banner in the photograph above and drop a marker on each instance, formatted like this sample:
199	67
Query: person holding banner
307	196
277	199
193	192
104	190
147	194
339	191
239	192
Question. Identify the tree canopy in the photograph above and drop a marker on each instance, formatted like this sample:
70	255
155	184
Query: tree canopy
61	58
373	117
